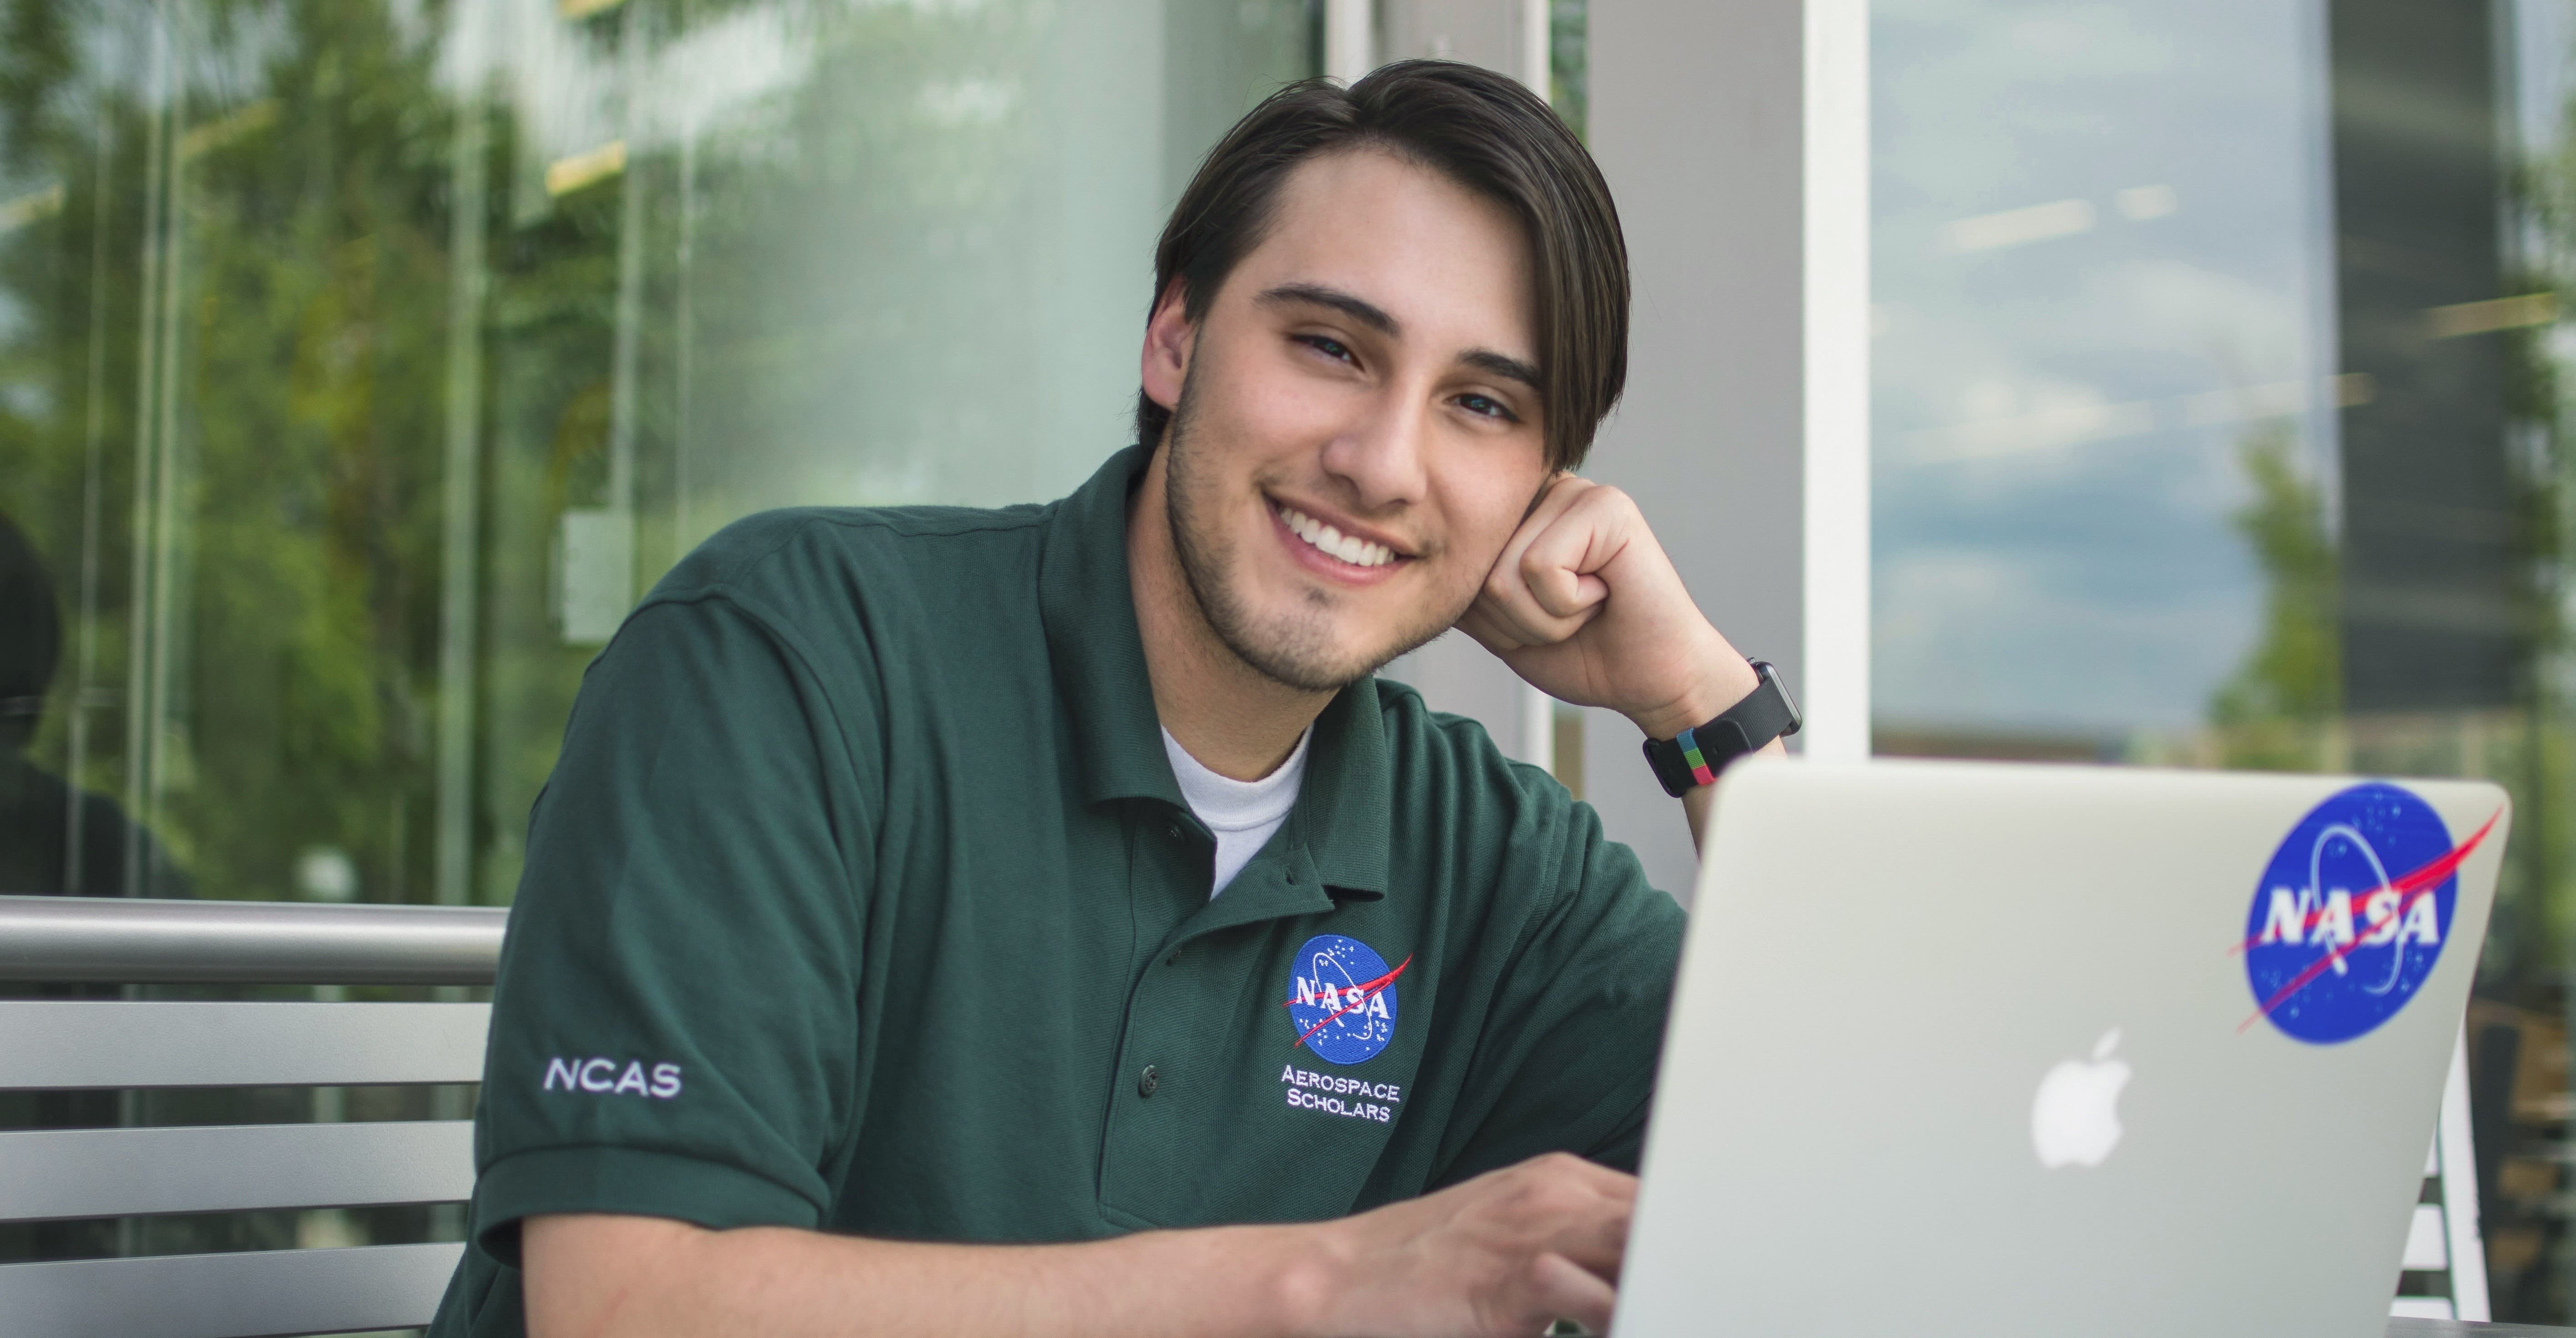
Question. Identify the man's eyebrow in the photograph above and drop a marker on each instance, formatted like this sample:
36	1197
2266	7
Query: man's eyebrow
1503	365
1359	309
1376	318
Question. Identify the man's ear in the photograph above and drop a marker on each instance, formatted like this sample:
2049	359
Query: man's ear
1169	337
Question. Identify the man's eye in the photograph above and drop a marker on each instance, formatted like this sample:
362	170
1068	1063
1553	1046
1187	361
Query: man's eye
1486	406
1329	347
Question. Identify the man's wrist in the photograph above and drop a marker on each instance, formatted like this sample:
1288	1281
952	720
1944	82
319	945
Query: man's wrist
1308	1276
1726	679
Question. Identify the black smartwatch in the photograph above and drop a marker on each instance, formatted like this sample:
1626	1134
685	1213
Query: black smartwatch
1695	756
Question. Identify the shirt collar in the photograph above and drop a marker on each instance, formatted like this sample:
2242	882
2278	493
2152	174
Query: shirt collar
1089	612
1099	656
1342	813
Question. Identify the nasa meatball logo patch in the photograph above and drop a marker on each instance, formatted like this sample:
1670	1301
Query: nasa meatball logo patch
2352	914
1341	999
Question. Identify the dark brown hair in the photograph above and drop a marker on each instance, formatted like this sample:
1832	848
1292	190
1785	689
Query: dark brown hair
1481	130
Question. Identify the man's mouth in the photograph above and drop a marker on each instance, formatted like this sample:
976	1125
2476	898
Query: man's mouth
1331	542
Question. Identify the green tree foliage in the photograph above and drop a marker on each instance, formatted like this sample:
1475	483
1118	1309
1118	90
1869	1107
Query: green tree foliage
2273	713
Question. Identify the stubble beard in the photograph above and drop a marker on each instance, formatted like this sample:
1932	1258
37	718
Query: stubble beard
1296	649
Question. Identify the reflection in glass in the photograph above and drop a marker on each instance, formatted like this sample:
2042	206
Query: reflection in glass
365	361
55	839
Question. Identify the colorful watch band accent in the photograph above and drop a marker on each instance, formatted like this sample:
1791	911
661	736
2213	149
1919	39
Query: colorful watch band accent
1691	757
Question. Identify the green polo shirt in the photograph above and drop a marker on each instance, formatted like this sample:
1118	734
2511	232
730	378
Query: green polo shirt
863	899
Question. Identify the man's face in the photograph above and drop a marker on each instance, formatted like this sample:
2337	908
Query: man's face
1357	429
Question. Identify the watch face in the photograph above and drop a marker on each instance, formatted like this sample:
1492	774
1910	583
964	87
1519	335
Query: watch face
1770	673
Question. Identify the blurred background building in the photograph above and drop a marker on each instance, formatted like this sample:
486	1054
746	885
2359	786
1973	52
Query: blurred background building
361	361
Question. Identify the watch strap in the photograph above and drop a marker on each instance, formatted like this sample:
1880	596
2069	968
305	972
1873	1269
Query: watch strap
1695	756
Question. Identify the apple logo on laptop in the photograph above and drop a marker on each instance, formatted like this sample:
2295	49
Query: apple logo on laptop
2075	1119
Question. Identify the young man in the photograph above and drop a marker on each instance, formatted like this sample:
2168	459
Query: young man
1040	922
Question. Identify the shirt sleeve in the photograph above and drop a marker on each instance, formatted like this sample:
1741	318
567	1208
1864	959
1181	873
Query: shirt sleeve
674	1025
1586	993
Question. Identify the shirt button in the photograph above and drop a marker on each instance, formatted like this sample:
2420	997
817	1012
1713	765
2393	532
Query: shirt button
1173	830
1147	1081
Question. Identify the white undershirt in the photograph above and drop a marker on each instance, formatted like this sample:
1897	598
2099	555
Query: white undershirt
1242	814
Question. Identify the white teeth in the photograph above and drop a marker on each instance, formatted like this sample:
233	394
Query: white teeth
1349	548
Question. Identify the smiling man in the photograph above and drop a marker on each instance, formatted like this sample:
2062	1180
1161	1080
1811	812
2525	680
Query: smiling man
1039	921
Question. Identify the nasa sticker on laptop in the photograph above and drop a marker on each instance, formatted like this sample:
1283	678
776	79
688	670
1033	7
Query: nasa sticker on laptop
2353	913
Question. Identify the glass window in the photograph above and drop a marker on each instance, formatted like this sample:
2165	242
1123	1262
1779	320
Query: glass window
360	365
2217	403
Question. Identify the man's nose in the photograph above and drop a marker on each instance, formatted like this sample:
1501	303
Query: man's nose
1380	453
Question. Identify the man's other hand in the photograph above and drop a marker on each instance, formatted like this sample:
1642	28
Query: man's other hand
1585	606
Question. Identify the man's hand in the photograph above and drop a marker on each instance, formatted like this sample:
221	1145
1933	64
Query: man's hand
1500	1255
1504	1254
1584	605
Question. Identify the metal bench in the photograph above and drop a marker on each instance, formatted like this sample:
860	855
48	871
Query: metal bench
53	1175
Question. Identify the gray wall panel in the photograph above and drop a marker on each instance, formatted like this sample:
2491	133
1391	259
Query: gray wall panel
1695	119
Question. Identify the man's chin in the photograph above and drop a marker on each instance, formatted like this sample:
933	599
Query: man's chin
1312	658
1307	668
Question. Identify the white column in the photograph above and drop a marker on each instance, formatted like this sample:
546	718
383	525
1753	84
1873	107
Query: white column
1350	38
1835	543
1538	710
1538	729
1536	36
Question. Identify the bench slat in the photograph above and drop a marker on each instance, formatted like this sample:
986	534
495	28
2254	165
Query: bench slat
65	1044
2425	1239
258	1294
51	1174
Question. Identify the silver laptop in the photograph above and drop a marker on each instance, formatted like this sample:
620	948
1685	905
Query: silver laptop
1966	1048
